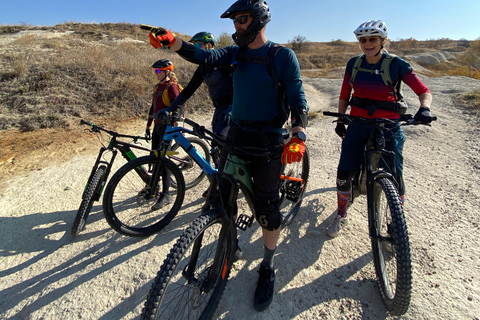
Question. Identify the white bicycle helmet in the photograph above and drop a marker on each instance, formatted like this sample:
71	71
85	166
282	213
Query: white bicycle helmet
371	28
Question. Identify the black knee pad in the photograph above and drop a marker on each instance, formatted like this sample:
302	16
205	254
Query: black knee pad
268	215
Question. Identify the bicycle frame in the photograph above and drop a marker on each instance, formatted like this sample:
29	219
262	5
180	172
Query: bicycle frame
372	159
114	146
236	173
176	133
364	180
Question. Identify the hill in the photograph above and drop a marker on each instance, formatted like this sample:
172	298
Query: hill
51	77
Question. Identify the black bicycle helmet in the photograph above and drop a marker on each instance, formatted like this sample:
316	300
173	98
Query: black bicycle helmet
205	37
261	16
163	64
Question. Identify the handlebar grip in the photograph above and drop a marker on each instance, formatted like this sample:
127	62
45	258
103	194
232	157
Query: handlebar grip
147	27
190	122
85	122
333	114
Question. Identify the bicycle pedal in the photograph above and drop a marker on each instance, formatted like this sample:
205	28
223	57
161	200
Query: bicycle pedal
293	190
244	221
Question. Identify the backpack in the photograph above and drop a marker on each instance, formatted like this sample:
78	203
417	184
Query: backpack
165	98
384	73
399	106
283	107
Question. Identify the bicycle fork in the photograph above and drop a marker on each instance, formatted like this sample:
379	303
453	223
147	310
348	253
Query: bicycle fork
373	173
99	161
208	278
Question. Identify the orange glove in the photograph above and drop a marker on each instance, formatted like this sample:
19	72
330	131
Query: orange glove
161	37
293	151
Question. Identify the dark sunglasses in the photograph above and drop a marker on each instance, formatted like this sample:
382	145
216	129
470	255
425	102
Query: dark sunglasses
158	71
372	39
242	19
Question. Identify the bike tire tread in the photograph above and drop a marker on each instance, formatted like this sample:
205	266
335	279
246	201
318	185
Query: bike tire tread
401	301
161	281
87	201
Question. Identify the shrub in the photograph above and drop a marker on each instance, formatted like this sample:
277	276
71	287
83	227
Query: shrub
224	40
298	43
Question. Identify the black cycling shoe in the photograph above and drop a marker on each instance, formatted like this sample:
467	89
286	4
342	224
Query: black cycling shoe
264	291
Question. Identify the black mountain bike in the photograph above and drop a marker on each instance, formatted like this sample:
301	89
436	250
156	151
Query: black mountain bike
103	164
386	220
193	277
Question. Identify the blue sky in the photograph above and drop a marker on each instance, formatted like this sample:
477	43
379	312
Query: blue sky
316	20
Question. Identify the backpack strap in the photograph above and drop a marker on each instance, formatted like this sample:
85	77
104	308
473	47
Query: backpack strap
356	66
283	109
384	72
386	77
272	53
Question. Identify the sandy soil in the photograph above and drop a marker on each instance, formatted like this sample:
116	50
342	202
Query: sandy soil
47	274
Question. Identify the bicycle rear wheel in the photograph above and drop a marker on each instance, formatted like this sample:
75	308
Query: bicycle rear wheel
177	293
192	172
91	194
126	205
391	250
293	184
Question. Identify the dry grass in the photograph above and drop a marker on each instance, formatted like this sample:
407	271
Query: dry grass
102	71
96	71
471	99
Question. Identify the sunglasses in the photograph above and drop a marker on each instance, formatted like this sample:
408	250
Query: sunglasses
242	19
198	44
158	71
372	40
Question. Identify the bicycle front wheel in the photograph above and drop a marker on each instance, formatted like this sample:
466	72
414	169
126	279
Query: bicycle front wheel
186	286
92	192
391	249
126	205
293	183
192	172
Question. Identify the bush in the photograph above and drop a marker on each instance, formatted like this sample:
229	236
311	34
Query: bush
224	40
298	43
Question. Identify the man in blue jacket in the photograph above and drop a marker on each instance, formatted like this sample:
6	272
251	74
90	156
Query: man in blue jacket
258	114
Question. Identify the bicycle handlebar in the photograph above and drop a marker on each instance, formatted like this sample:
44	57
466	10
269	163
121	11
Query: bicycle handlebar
95	128
204	133
348	119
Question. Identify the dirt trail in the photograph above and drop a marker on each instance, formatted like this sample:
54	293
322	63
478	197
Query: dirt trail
45	274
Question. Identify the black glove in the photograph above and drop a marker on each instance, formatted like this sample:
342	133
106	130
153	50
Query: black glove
423	115
340	130
161	115
148	136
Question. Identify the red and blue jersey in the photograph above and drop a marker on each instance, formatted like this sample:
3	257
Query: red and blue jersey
371	86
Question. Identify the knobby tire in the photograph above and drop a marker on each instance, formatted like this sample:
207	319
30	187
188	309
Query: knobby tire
127	209
172	296
391	252
93	190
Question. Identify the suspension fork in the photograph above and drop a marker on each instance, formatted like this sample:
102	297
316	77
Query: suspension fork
220	262
99	161
373	173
